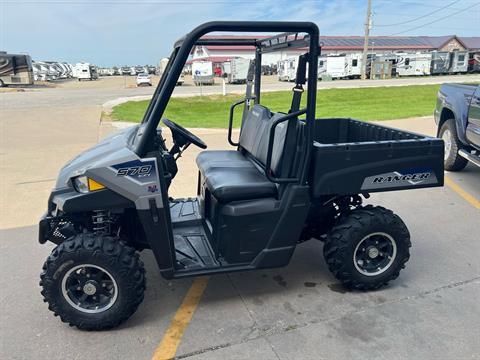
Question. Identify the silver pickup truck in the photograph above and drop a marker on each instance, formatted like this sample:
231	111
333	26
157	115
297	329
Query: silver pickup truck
457	115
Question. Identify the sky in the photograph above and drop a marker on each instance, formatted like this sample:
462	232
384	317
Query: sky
108	32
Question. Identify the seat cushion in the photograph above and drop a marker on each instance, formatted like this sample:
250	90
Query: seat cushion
211	159
238	183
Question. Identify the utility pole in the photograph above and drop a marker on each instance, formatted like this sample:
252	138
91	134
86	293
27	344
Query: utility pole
368	20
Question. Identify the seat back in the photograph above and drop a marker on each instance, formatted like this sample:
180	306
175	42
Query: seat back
255	135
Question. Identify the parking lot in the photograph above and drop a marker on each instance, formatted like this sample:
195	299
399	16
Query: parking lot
299	312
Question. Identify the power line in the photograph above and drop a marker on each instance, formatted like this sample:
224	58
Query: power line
420	17
437	20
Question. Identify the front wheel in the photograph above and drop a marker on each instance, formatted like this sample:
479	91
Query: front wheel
368	248
93	282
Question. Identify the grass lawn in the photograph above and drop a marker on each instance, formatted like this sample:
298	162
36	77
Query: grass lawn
379	103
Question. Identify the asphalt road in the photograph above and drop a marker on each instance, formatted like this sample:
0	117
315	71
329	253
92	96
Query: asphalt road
298	312
76	94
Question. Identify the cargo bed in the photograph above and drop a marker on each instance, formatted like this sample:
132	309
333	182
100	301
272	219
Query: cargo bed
352	157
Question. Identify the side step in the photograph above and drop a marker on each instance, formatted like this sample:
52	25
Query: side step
472	157
193	251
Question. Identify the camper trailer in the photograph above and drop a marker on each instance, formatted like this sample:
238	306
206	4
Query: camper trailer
390	58
337	66
459	62
15	69
474	61
417	64
322	66
354	65
440	62
287	69
238	70
202	72
39	72
86	71
162	65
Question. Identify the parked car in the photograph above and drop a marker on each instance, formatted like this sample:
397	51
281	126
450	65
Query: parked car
143	79
457	116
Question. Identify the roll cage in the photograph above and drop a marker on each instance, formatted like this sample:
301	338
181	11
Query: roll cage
289	37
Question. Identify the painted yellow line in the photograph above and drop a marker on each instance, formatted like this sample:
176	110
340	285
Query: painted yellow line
458	189
169	344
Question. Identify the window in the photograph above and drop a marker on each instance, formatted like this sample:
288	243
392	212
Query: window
320	63
354	62
407	61
461	58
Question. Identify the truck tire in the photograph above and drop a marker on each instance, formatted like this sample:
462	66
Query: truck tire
367	248
452	160
93	282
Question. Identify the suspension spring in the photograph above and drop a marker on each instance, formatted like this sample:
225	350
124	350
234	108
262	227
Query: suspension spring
101	221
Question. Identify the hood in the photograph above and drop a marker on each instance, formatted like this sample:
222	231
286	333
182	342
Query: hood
89	158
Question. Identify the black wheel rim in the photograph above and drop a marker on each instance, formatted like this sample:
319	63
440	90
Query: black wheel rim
89	288
374	254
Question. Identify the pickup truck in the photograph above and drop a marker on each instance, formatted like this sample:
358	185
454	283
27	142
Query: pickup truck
457	115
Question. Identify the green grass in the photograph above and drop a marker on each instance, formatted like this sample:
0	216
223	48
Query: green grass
379	103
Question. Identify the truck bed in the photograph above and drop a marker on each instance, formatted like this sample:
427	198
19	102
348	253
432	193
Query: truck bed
352	157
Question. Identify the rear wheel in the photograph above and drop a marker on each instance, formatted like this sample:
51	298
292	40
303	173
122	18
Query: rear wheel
93	282
368	248
452	159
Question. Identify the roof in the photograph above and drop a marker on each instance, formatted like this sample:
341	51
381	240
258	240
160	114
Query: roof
378	42
472	42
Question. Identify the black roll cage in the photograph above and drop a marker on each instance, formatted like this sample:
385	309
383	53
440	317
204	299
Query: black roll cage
288	38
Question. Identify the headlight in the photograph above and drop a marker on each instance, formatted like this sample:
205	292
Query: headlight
85	185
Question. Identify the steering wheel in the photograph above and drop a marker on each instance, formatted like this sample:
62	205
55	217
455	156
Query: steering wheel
182	136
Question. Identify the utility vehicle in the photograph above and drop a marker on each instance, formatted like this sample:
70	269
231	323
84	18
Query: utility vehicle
288	178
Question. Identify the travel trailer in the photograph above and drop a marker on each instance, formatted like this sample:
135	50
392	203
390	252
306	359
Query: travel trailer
459	62
238	70
15	69
162	65
287	69
440	62
85	71
322	66
354	65
202	72
417	64
337	66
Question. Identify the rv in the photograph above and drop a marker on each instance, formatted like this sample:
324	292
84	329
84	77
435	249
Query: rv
238	70
440	62
474	61
354	65
15	69
162	65
287	69
85	71
140	69
417	64
459	62
337	66
322	66
202	72
390	58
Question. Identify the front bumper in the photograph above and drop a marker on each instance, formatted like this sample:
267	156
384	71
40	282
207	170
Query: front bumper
44	228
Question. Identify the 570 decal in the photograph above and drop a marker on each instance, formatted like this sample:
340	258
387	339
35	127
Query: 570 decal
140	171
